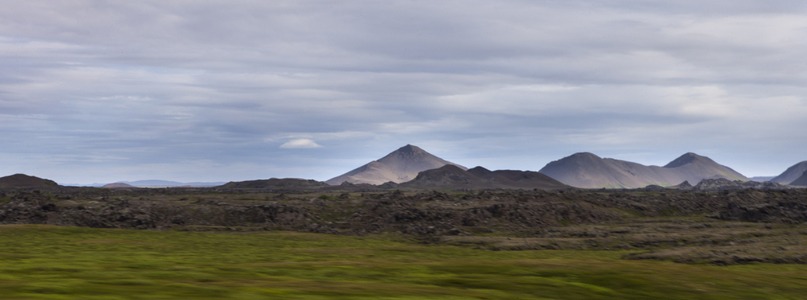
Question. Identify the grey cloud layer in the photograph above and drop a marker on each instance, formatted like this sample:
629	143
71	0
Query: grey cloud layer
142	89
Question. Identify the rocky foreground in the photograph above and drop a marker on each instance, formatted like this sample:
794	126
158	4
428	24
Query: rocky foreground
562	219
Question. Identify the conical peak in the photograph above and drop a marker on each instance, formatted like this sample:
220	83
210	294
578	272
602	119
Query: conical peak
409	148
687	158
584	155
408	151
479	170
691	155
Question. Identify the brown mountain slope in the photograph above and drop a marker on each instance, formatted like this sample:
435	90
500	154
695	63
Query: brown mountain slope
25	181
586	170
801	181
399	166
791	174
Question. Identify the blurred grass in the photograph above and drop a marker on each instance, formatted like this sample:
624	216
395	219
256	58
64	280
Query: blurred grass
46	262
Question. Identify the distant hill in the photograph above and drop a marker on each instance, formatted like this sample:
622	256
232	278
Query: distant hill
118	185
453	177
586	170
791	174
801	181
761	178
155	183
276	183
399	166
25	181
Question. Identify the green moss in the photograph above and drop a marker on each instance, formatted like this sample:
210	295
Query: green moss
44	262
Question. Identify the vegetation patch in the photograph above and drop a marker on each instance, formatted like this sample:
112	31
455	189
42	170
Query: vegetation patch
47	262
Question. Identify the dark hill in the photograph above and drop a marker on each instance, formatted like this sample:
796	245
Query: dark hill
25	181
448	176
791	174
688	158
527	179
455	178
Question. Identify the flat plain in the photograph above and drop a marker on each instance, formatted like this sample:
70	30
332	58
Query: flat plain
49	262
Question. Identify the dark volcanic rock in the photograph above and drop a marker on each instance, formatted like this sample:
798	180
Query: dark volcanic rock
684	185
725	184
422	213
778	212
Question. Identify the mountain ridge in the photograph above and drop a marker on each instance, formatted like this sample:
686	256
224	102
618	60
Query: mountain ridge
587	170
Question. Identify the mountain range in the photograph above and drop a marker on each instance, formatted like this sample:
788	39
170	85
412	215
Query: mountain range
401	165
413	167
586	170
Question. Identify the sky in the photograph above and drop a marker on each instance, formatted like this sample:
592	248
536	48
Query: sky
102	91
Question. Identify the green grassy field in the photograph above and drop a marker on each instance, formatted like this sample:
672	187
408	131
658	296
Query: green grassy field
45	262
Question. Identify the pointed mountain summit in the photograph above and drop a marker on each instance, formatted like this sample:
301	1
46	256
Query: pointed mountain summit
586	170
688	158
694	168
399	166
791	174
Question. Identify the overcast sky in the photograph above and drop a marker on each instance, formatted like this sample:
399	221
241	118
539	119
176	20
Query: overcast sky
101	91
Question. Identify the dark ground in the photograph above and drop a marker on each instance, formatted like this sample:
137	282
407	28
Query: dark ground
719	227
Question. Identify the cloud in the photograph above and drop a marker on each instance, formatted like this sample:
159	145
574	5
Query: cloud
300	144
515	82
